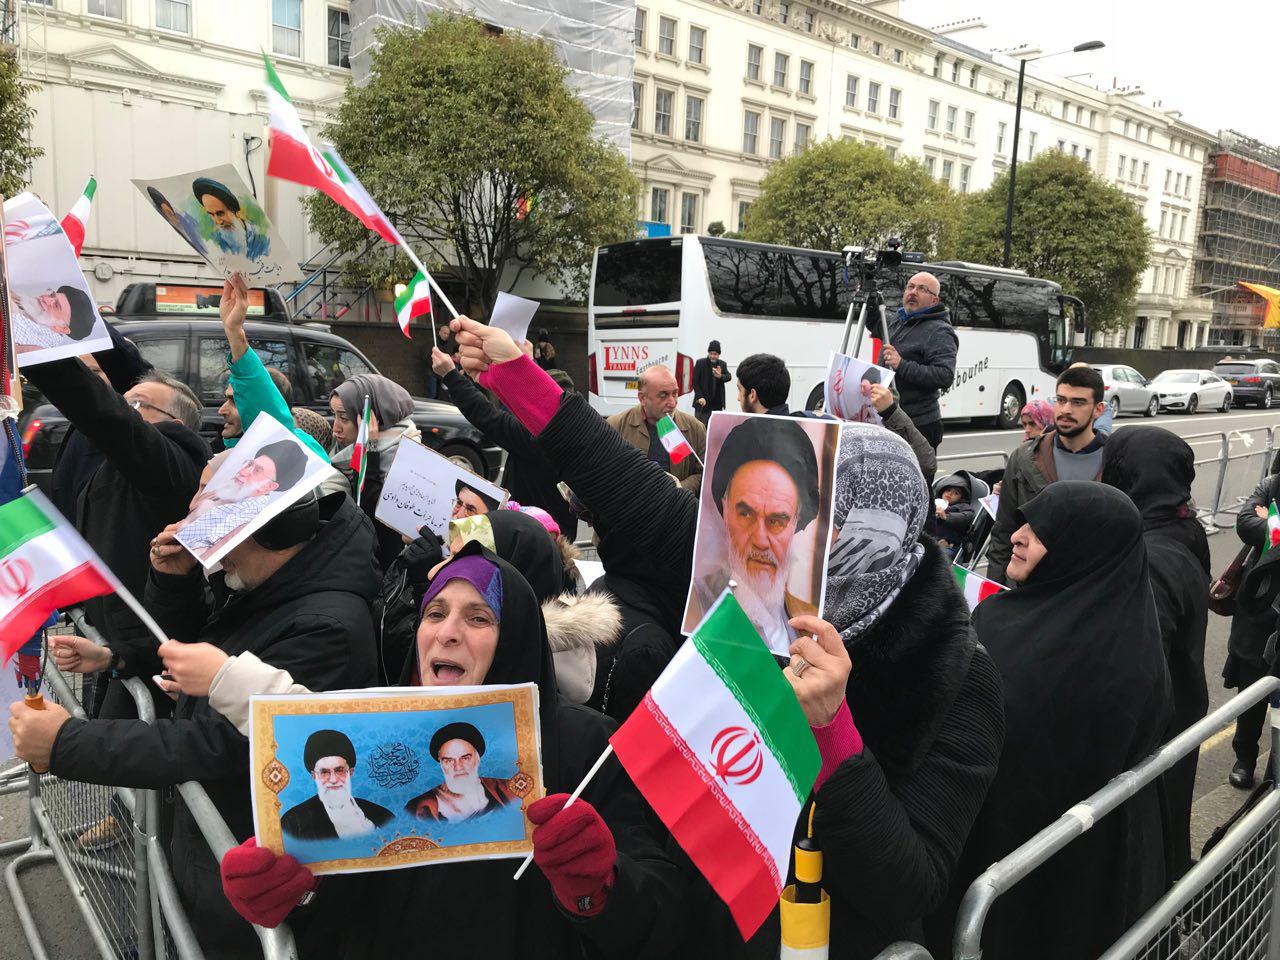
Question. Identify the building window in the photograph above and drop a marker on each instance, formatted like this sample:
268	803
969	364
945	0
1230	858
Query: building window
750	132
743	207
1062	146
930	164
803	132
877	48
1075	149
658	204
637	98
1146	167
1004	93
1182	230
951	119
286	27
897	54
1066	108
175	15
968	124
1000	132
934	108
895	103
891	152
1168	179
754	56
107	8
777	137
855	41
1177	185
339	37
808	21
688	213
640	19
1133	170
955	71
697	44
757	7
784	12
780	64
1187	188
1164	215
947	167
1088	155
850	91
667	36
1120	168
1079	114
663	102
1093	119
873	98
965	171
1032	136
693	119
973	78
1126	128
937	65
806	77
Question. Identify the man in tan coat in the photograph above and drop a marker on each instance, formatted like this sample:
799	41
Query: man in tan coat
658	392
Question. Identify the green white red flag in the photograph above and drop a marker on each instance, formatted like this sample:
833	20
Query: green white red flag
723	754
673	440
360	449
1273	527
77	218
413	301
44	564
975	588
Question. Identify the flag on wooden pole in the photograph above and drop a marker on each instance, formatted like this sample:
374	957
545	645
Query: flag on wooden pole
77	218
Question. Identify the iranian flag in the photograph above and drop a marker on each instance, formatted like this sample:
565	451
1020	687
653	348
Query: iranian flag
413	301
1273	527
360	449
722	752
44	564
77	218
295	158
673	440
975	588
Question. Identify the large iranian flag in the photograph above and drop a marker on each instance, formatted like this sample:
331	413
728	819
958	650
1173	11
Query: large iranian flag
294	157
722	751
44	564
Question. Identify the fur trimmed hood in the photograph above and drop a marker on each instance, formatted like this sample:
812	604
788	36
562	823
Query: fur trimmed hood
576	625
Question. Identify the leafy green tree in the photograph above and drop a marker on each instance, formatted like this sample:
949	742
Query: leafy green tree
483	157
17	152
1068	226
839	193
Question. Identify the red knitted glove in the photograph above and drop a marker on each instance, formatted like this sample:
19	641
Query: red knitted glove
575	851
261	886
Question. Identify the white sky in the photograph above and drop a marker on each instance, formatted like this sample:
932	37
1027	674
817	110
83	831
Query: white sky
1213	61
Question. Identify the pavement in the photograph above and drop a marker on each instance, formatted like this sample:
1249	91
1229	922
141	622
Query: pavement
66	937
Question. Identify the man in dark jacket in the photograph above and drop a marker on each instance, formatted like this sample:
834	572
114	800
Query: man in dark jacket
764	384
302	589
710	374
922	354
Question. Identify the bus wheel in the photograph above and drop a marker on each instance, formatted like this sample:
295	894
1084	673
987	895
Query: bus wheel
1011	403
817	399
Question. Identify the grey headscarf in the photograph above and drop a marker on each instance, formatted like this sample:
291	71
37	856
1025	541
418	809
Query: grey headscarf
880	507
389	401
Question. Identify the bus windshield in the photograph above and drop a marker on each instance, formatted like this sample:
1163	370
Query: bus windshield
638	274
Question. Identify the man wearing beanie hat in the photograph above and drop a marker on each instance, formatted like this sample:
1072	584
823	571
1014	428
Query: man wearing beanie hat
333	812
710	374
765	487
464	794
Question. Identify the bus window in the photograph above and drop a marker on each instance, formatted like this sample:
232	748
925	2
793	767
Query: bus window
971	300
764	282
638	274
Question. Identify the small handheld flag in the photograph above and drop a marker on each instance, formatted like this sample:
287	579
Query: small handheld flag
975	588
673	441
1273	528
413	301
77	219
360	449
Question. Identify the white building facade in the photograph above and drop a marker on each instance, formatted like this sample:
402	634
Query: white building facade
724	89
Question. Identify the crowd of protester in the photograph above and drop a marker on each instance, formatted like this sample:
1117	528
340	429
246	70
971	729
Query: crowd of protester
947	739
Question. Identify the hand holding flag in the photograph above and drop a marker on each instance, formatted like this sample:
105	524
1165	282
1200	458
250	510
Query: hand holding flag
674	442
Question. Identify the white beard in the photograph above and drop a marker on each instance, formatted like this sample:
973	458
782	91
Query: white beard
462	797
344	813
235	584
762	598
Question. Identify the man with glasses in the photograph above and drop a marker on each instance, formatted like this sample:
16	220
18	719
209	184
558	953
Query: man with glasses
470	502
922	354
1070	450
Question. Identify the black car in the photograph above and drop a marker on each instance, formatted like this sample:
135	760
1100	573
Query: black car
175	326
1252	381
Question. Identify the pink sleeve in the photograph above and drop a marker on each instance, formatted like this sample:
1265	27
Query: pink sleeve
837	742
525	390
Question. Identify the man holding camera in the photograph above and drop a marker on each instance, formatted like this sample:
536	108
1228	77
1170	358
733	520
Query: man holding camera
922	354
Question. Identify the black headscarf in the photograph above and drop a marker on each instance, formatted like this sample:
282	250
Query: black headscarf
1086	697
524	543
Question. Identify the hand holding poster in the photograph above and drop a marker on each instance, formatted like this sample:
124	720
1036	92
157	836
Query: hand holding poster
764	520
376	780
423	488
262	476
52	311
845	397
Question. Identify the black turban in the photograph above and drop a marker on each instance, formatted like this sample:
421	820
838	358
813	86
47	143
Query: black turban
290	460
456	731
82	315
203	185
770	438
328	743
461	485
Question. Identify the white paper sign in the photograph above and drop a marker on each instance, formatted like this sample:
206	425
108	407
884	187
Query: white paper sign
423	489
842	393
513	314
991	504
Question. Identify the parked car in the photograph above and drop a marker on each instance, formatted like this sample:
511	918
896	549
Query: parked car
1252	381
1127	391
175	326
1192	390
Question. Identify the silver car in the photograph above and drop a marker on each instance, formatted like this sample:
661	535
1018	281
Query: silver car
1127	391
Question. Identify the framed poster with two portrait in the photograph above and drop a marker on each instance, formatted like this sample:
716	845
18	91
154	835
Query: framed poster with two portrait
367	780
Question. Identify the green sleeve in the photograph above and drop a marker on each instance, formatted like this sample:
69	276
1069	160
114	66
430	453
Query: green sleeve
255	393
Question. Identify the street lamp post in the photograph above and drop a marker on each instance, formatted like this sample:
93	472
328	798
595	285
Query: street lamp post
1017	120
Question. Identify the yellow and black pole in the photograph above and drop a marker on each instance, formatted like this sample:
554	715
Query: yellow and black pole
805	909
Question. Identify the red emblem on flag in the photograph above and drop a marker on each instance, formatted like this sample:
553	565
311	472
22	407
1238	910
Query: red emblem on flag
738	755
15	578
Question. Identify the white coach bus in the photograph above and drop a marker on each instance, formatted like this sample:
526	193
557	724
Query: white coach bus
663	300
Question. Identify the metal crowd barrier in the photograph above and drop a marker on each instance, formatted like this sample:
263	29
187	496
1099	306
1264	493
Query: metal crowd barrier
120	880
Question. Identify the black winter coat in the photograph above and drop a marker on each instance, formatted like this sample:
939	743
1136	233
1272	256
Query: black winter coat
706	386
959	520
927	344
1253	622
145	482
311	618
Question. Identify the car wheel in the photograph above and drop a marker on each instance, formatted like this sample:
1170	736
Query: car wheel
464	457
1115	406
1265	402
1011	402
1153	407
1193	404
1226	403
817	399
